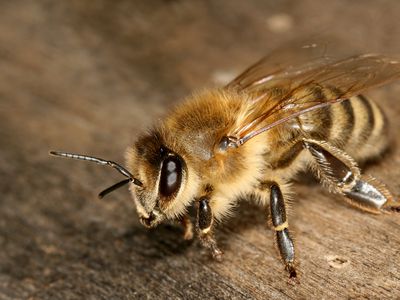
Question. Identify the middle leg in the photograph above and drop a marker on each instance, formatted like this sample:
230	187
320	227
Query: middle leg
280	226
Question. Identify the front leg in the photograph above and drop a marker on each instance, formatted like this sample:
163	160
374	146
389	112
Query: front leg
187	227
204	227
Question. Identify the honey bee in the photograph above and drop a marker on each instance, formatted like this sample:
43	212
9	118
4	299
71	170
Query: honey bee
297	109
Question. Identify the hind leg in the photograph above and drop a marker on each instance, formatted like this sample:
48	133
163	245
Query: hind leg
340	173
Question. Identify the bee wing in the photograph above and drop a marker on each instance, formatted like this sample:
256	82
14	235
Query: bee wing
295	56
283	91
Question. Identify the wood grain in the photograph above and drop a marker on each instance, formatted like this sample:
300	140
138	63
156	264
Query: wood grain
88	76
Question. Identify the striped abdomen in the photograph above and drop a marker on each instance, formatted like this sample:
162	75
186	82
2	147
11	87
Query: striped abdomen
357	126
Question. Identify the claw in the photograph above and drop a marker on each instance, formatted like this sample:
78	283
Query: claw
293	279
217	254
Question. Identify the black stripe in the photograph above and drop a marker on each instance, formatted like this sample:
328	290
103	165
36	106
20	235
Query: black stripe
347	130
324	129
288	157
369	126
322	117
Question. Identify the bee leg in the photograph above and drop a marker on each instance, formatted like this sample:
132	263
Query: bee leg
204	227
187	227
280	226
372	196
340	174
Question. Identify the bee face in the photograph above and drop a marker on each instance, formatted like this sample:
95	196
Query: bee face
162	173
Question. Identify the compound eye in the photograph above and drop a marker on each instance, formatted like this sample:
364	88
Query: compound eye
171	176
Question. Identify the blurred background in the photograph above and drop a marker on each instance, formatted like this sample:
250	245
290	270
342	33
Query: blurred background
89	76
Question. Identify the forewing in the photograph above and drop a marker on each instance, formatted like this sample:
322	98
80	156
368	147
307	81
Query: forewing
295	56
290	91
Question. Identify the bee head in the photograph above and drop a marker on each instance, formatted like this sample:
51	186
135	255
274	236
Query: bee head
157	176
163	173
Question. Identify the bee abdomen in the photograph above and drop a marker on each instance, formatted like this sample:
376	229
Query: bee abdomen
357	126
343	123
360	128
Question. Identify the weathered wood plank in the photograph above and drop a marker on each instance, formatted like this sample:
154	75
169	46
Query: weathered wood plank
88	76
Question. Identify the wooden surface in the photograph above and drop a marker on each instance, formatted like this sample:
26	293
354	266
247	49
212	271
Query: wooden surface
88	76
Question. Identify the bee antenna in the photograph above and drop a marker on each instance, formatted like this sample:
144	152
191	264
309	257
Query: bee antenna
103	162
113	187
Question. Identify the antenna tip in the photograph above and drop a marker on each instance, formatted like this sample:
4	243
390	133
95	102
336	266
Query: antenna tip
52	152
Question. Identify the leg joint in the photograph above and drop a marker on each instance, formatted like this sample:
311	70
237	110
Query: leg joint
281	227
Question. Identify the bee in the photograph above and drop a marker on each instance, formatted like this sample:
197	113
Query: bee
297	109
